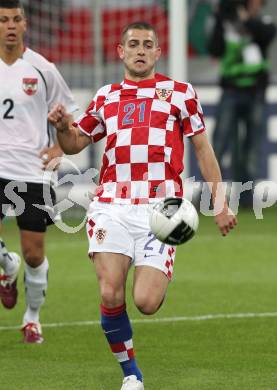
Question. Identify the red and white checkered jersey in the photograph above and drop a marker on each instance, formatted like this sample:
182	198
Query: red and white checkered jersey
145	123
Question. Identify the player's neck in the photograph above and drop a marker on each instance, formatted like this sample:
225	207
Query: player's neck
11	54
138	78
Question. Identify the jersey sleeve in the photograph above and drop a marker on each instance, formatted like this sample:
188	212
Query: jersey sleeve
90	122
192	119
58	91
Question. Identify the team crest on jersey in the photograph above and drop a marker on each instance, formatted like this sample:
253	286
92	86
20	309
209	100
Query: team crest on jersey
163	94
100	235
30	86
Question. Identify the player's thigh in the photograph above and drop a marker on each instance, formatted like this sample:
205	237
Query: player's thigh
149	288
106	233
111	268
149	251
154	262
22	197
111	248
38	213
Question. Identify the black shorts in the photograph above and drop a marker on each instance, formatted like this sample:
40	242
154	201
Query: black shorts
22	197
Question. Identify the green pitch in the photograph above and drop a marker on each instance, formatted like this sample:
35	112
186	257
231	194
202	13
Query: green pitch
228	277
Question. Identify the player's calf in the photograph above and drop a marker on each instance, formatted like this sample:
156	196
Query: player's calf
118	331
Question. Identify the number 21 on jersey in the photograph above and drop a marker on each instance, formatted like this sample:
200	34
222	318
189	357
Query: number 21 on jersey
134	113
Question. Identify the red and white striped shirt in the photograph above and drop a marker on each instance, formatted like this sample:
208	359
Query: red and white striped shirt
144	123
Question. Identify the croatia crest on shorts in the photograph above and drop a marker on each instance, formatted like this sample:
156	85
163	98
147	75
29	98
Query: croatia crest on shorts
30	86
100	235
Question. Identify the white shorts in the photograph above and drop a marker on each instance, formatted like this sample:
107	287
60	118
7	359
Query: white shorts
125	229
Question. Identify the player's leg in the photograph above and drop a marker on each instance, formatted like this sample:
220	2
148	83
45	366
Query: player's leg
154	263
111	249
149	289
33	224
9	269
36	282
111	270
255	130
255	118
9	261
226	124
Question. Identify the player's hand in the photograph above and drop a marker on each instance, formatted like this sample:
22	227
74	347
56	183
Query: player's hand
59	118
51	157
225	220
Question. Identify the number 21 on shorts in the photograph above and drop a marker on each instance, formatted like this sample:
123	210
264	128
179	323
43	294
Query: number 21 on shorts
153	246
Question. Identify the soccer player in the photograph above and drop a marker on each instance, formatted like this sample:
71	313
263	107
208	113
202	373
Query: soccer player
144	119
30	86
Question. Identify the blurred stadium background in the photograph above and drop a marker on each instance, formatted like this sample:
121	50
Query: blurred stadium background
80	37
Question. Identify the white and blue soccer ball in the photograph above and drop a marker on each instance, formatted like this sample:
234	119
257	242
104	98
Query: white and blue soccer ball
174	221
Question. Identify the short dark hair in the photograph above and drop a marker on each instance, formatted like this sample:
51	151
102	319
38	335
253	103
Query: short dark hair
139	25
10	4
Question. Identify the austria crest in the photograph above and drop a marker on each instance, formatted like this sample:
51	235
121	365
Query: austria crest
30	86
163	94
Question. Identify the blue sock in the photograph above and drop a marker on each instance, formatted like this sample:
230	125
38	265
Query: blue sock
117	329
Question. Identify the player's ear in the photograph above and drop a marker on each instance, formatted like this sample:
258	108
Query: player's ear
158	53
24	19
120	51
25	24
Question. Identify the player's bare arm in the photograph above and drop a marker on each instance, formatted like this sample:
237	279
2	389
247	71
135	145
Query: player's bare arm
49	156
71	140
224	217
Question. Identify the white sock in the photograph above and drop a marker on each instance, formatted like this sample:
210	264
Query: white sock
3	254
35	286
31	315
8	260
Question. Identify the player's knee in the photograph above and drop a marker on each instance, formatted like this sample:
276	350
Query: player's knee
112	296
147	305
32	258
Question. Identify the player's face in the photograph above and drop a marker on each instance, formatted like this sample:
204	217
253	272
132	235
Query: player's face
139	53
12	27
254	7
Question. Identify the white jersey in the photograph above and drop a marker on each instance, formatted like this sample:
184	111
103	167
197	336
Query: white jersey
30	87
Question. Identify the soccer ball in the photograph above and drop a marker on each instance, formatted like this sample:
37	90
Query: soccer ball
174	221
